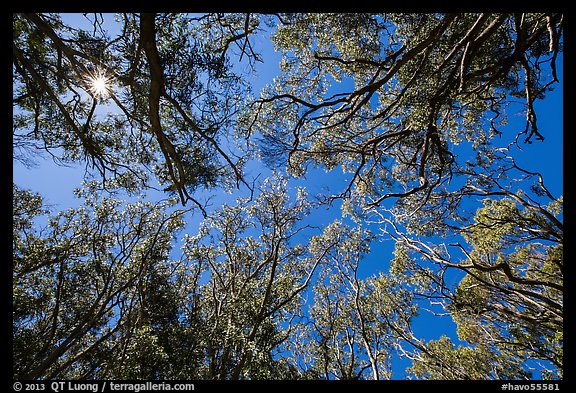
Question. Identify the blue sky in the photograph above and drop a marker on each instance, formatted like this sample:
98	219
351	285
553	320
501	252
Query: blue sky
56	182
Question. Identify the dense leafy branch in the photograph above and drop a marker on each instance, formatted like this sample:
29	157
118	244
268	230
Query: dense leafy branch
38	38
412	107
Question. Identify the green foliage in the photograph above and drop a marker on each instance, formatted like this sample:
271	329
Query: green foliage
412	108
78	280
257	277
441	360
417	86
511	298
175	139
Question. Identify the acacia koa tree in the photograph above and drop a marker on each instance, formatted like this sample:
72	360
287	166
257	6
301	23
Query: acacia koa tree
264	267
354	323
83	281
413	107
169	94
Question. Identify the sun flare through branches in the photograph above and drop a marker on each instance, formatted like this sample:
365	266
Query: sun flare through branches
99	84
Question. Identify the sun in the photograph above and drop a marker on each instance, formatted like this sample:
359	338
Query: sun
99	84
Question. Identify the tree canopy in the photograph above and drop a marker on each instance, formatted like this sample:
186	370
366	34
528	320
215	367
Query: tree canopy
162	112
